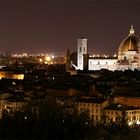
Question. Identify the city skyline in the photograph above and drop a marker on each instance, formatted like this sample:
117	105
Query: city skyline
39	26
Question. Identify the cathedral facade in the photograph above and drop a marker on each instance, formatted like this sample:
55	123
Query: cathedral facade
128	56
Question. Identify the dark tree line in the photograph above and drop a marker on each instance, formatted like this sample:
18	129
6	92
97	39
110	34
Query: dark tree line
52	122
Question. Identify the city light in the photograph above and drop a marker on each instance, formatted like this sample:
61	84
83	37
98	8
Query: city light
40	60
138	122
115	55
52	56
9	75
130	123
48	58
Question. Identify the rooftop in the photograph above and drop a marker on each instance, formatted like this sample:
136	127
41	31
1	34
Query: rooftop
97	100
120	107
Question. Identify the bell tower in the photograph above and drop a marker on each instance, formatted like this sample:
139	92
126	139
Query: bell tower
81	51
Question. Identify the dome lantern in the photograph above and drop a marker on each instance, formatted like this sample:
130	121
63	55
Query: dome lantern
131	31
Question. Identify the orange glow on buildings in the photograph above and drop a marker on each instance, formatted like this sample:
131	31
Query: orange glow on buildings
11	75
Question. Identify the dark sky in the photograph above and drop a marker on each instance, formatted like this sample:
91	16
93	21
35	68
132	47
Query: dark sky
54	25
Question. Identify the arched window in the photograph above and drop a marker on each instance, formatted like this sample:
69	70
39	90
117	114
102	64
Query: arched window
80	49
84	49
125	58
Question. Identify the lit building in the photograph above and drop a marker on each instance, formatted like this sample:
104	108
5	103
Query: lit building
11	106
94	106
100	110
11	75
117	112
128	55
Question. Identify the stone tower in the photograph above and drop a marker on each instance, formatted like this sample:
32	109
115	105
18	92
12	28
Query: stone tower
81	52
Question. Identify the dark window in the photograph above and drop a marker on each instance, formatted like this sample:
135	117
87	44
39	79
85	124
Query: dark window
80	49
84	49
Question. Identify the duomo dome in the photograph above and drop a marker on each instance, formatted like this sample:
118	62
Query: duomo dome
129	46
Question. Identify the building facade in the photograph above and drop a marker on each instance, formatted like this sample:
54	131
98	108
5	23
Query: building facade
94	106
117	112
100	109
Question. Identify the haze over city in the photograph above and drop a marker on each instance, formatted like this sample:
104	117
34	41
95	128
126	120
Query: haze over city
34	26
69	69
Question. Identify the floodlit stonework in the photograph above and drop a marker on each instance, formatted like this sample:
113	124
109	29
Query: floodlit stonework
128	55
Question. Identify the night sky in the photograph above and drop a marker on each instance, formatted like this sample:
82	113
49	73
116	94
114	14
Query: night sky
37	26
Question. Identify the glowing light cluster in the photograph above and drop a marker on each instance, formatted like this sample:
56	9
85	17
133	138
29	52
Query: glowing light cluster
40	60
103	56
115	55
20	55
48	58
133	122
11	76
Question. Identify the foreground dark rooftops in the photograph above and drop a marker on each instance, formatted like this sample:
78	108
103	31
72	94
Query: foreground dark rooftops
121	107
91	99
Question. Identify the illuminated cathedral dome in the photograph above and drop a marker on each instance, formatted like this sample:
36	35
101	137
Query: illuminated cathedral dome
129	44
